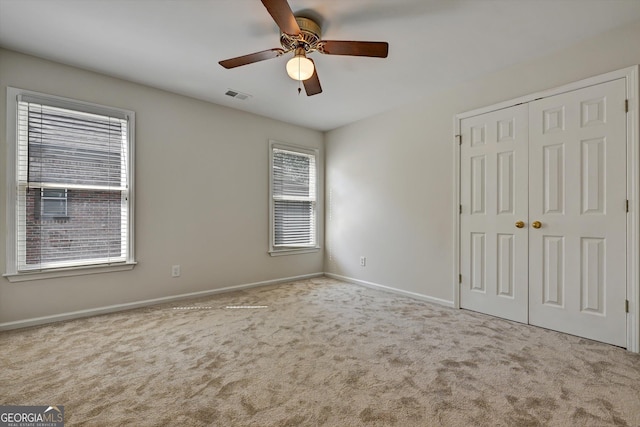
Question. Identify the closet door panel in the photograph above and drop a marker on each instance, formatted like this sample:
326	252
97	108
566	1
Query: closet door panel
493	192
577	192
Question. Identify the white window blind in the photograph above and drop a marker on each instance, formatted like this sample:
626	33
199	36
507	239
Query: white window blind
294	198
83	157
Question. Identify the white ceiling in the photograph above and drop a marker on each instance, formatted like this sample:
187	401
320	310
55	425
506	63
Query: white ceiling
176	45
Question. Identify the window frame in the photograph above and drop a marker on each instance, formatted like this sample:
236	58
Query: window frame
78	268
291	250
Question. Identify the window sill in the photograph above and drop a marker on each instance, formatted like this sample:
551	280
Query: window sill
54	218
67	272
293	251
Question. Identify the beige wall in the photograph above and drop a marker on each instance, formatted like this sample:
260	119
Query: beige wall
201	195
389	179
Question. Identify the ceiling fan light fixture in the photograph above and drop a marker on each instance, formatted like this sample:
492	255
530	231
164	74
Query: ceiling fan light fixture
300	67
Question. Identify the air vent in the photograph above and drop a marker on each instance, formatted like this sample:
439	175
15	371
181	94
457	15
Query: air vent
238	95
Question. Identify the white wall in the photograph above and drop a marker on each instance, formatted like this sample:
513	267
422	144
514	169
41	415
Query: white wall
389	184
389	178
201	195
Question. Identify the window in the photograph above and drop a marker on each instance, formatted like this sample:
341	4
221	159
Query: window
71	203
293	199
52	203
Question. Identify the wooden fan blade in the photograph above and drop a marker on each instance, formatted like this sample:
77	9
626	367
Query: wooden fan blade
312	84
354	48
251	58
282	14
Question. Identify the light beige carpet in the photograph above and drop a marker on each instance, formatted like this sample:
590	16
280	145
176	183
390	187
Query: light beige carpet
321	353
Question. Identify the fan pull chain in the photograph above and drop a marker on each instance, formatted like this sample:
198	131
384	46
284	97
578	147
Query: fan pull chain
299	81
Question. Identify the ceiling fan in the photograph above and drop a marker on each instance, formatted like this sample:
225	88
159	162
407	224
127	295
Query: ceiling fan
302	36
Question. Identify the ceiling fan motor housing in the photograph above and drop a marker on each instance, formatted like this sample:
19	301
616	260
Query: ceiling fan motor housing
308	38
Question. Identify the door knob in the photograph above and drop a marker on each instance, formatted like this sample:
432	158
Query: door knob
520	224
536	224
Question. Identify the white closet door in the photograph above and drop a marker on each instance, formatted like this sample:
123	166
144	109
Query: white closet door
577	191
493	192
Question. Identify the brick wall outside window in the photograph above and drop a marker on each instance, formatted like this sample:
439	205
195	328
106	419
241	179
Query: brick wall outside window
89	213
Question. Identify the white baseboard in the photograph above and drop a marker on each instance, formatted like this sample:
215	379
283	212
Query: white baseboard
137	304
145	303
372	285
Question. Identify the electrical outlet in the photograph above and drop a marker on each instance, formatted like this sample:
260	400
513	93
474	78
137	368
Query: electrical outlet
175	271
363	261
